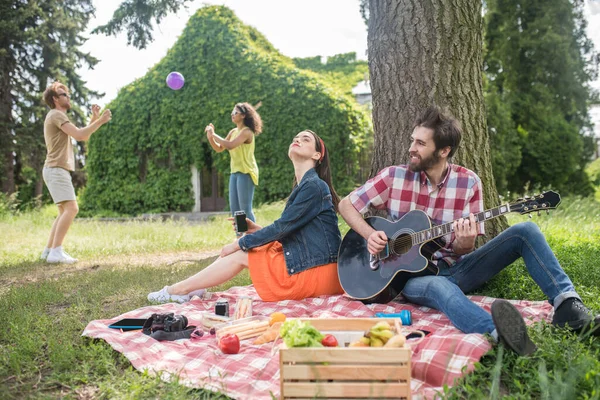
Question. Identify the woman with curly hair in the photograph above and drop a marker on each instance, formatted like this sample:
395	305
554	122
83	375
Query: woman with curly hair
240	143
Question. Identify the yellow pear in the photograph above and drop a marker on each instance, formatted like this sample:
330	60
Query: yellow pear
396	341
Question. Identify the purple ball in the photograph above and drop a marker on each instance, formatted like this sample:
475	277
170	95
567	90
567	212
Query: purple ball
175	80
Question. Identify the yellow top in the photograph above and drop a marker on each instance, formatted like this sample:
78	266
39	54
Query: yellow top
242	158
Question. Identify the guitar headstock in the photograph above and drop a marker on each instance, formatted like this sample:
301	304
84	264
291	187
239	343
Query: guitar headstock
545	201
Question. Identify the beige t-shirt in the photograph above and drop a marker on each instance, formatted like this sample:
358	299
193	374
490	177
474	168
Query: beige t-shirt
58	143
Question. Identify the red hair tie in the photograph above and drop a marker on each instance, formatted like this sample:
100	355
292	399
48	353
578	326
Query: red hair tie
322	149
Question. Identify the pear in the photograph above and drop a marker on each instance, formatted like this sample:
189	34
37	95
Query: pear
396	341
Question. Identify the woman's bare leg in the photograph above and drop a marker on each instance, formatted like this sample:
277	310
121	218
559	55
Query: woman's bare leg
220	271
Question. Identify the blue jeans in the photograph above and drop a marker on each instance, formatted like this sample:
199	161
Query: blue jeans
446	291
241	193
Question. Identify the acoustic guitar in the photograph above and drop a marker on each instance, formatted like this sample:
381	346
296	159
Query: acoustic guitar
412	240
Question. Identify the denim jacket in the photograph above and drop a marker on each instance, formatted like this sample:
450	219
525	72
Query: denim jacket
307	229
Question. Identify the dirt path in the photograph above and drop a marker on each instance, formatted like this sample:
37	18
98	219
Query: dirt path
56	271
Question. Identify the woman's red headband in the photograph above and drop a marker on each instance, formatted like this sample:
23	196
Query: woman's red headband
322	149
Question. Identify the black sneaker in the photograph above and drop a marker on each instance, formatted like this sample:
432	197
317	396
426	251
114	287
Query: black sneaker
573	314
511	328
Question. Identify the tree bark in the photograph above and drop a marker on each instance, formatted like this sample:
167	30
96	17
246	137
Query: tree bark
7	177
425	52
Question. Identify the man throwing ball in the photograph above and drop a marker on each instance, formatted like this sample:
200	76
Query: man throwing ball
58	131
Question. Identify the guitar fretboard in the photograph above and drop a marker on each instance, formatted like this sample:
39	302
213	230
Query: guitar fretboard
444	229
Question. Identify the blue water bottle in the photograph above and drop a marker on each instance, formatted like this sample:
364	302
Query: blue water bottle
404	316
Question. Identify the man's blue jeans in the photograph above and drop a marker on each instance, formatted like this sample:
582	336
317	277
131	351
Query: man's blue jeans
241	193
446	291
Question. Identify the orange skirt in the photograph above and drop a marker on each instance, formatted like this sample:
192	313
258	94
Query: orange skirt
273	282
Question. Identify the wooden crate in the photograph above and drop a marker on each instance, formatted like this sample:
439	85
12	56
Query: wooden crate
345	372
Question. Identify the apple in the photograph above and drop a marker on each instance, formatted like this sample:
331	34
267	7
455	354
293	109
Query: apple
229	344
329	341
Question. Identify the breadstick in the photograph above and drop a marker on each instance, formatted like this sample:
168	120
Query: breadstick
257	331
250	335
244	327
238	327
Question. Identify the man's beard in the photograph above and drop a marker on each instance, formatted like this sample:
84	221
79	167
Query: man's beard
425	163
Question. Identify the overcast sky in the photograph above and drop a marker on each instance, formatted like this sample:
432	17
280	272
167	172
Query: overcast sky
301	28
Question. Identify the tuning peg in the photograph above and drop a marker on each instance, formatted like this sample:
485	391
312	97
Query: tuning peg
547	212
539	213
529	215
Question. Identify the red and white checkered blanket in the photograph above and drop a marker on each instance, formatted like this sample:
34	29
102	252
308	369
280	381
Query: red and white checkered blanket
254	372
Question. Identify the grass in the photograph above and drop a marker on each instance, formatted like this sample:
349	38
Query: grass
44	307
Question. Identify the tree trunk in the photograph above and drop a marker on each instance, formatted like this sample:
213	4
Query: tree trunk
7	177
425	52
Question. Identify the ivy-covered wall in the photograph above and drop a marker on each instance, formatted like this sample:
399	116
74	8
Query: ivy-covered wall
140	162
344	71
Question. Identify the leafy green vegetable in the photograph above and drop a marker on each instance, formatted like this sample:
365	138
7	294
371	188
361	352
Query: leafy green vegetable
296	333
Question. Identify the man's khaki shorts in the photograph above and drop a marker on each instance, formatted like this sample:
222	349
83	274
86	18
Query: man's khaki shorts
59	183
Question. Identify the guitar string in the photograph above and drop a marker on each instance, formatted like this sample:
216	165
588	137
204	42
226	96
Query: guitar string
407	241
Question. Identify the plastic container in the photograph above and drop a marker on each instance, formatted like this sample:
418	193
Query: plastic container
210	320
243	308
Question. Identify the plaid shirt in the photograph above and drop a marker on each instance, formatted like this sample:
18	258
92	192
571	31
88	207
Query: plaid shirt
399	190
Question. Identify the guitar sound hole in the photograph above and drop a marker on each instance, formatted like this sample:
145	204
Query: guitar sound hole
402	244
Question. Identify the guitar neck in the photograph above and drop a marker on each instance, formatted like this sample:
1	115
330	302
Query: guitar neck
447	228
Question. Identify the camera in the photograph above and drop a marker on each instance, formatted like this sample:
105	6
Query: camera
241	225
168	322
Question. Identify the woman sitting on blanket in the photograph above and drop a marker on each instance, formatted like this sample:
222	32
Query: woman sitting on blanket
293	258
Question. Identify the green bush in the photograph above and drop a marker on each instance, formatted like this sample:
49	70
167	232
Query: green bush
593	172
141	161
9	204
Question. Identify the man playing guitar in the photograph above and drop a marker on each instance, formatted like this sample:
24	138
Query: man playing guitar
447	192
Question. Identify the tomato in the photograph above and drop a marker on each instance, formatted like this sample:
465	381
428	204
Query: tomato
329	341
229	344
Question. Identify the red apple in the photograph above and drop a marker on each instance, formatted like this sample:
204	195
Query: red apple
229	344
329	341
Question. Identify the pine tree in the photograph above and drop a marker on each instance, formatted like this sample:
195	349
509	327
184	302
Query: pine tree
539	64
40	43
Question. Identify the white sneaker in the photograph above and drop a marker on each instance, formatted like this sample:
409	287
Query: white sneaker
163	296
67	255
60	257
44	254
